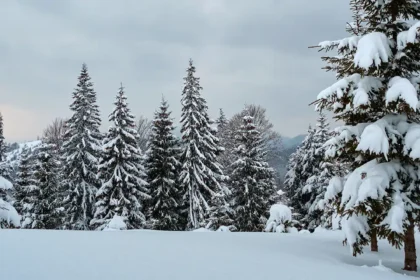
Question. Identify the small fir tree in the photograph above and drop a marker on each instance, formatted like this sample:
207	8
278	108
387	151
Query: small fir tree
24	181
221	121
252	180
45	211
123	187
299	169
321	173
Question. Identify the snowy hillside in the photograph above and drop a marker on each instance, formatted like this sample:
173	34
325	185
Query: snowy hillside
14	154
125	255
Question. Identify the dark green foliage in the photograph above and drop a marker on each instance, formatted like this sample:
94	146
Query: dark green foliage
162	171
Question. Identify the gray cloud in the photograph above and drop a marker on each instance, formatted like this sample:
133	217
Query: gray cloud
245	52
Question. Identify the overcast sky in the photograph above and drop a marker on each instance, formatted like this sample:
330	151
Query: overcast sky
245	51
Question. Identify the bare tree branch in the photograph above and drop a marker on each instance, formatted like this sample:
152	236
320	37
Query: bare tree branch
144	127
54	132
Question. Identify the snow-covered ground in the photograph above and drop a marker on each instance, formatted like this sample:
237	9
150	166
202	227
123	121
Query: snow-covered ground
125	255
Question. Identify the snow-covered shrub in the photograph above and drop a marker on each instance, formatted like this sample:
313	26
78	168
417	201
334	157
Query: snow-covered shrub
116	223
280	220
8	214
226	228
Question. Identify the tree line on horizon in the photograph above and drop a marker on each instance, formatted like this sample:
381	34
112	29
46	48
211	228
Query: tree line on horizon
80	178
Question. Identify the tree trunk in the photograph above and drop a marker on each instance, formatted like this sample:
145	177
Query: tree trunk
410	259
374	241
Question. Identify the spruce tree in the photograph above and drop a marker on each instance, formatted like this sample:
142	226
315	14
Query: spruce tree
45	210
2	141
5	167
201	174
81	149
300	168
319	176
221	121
121	172
252	179
376	98
162	167
24	182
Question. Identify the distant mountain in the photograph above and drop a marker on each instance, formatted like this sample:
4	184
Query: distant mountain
293	142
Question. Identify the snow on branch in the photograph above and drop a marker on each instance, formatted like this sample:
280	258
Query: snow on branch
5	184
348	43
402	87
361	86
409	36
378	177
373	48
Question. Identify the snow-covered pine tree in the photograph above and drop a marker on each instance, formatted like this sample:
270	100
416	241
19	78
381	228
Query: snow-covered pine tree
5	168
316	185
24	182
225	140
252	180
2	141
376	97
201	174
121	172
162	167
81	149
221	121
299	169
45	210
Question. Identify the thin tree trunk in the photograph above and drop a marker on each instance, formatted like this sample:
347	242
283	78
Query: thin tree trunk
374	241
410	258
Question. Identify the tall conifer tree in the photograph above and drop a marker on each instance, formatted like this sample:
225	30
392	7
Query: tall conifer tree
121	172
376	97
2	141
162	166
201	173
81	151
252	180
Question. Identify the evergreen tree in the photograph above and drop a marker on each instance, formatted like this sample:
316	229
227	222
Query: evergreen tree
162	166
121	172
221	121
252	180
81	149
24	182
2	141
45	211
201	173
376	98
317	183
300	168
5	168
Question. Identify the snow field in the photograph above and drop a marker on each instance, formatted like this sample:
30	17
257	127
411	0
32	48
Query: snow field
81	255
